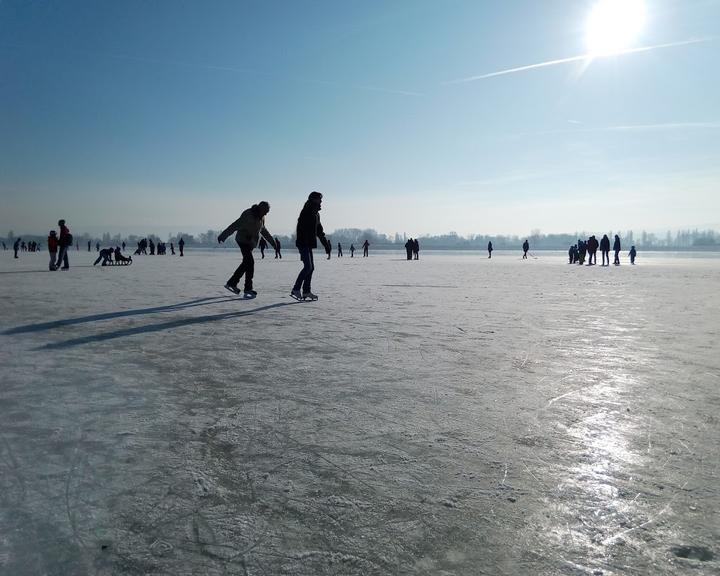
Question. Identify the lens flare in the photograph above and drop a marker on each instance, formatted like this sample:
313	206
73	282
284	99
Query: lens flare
614	25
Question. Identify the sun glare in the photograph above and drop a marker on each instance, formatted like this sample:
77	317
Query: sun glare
614	25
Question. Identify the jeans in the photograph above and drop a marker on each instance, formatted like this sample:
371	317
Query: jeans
247	267
305	277
62	258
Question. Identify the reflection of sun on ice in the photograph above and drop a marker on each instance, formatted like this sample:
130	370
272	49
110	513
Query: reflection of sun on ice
613	26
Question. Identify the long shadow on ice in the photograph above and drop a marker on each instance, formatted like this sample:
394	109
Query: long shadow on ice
110	315
158	327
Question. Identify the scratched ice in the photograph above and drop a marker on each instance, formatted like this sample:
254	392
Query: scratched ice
452	415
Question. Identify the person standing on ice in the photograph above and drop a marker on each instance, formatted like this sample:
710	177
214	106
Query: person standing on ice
409	247
64	242
339	250
52	248
248	229
605	250
16	246
181	245
263	245
278	254
352	250
525	247
308	231
366	245
616	249
632	254
490	249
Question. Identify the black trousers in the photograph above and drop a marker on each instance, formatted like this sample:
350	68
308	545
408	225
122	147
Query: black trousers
247	267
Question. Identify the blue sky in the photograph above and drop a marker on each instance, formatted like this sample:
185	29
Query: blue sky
162	116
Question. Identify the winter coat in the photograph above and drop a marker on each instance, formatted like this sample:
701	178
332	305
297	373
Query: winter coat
309	228
605	244
52	244
616	245
65	236
248	228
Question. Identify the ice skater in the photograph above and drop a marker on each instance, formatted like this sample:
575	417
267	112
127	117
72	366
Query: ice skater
339	250
490	249
525	247
248	229
365	247
262	245
278	254
64	242
52	249
616	249
16	246
308	231
181	246
352	250
632	254
416	249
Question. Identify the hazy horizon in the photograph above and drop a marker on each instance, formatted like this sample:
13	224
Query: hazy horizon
415	116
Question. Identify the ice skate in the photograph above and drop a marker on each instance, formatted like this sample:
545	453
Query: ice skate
309	296
296	294
233	289
248	294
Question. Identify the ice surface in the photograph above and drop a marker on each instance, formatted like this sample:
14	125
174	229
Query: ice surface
453	415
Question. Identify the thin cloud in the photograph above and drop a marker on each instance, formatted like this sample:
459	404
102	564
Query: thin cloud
583	57
626	128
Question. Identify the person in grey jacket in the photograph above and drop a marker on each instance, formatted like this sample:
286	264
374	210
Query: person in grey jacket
248	229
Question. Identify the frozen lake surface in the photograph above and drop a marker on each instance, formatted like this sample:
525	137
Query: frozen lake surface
454	415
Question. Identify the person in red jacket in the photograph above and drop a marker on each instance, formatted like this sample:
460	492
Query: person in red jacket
52	248
65	242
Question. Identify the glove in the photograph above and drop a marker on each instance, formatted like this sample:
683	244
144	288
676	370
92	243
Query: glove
220	240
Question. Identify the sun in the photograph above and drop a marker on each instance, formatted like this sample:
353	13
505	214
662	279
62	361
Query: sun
614	25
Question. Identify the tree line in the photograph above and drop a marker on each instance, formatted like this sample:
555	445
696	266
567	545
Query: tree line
681	240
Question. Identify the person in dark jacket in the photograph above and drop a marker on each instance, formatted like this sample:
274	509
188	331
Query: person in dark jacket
525	247
52	248
632	254
248	229
64	243
105	255
416	249
181	246
616	249
308	231
352	250
263	244
409	247
365	247
16	246
277	248
490	249
605	250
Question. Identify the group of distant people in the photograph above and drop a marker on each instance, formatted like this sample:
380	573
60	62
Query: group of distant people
412	249
145	244
577	253
263	246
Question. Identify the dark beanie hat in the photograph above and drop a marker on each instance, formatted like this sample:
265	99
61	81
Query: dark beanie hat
315	196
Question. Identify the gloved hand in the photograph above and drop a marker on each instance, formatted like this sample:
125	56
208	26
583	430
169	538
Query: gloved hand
220	240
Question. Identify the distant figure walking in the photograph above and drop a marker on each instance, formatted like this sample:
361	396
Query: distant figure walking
263	244
616	249
64	242
365	246
409	247
571	253
172	248
339	250
248	229
416	249
105	255
632	254
97	246
490	249
181	246
89	245
16	246
352	250
308	231
605	250
277	248
525	247
52	248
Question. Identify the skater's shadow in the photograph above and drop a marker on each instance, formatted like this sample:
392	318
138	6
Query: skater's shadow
110	315
149	328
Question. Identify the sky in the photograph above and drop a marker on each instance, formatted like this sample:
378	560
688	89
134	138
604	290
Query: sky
410	116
